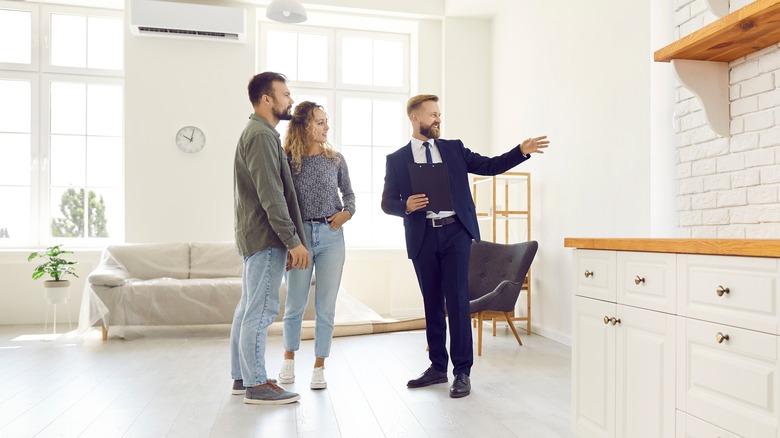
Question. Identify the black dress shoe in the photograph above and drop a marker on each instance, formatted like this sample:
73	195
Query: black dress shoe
461	386
431	376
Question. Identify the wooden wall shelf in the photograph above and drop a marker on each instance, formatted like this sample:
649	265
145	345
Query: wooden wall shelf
740	33
700	60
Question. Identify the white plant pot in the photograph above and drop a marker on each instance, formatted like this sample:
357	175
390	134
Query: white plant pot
56	292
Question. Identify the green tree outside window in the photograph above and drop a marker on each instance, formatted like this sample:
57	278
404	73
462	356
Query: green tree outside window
71	224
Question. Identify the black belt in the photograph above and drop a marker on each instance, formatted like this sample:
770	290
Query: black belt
440	222
319	220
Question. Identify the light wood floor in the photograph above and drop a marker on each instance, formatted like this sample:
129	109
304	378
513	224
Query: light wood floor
174	382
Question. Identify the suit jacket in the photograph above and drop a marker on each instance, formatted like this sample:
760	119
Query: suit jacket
460	162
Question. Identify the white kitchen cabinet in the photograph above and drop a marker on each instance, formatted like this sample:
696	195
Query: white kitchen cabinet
690	343
623	356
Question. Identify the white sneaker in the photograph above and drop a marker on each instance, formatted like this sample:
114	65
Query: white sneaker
287	373
318	378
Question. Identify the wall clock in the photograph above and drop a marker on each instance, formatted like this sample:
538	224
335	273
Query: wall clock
190	139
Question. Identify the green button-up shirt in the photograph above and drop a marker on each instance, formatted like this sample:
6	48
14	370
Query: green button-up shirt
266	208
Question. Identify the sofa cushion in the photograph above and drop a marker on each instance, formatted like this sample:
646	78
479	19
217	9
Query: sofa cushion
147	261
215	260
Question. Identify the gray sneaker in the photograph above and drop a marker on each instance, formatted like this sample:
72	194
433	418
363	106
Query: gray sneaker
239	388
269	394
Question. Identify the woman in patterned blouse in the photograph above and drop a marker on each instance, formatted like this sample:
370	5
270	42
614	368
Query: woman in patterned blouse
319	174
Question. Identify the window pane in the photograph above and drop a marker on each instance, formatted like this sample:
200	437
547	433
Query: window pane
104	110
356	55
68	108
68	40
15	163
389	118
104	162
67	212
356	122
15	36
68	160
359	161
105	43
388	63
106	213
15	110
370	219
312	58
379	164
14	214
281	53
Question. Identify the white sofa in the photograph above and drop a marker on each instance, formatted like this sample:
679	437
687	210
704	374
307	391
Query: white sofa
157	284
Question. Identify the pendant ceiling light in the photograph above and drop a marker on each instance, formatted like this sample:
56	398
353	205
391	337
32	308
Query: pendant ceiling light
286	11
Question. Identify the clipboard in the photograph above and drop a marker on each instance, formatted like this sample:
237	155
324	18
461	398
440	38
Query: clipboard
434	181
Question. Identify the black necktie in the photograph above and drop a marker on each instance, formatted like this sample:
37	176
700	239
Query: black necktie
428	157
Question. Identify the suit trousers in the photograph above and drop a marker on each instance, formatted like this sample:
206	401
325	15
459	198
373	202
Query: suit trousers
442	271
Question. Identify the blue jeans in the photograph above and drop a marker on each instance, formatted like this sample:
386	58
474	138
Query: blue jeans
256	311
326	249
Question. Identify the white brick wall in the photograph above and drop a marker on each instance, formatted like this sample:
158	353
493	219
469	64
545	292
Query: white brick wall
730	187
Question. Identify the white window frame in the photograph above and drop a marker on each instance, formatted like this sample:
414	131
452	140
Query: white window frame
263	61
44	224
404	39
40	74
45	58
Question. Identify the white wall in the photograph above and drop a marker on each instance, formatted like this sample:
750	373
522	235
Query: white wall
578	72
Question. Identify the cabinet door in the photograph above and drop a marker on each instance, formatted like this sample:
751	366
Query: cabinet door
593	369
645	374
730	378
738	291
647	280
594	274
692	427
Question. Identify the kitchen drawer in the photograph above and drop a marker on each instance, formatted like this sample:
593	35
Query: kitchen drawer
647	280
738	291
594	274
732	384
689	426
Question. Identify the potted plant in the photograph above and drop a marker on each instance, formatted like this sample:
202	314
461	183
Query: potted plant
56	290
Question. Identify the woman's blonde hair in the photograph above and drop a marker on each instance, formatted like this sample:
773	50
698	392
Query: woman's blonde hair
299	130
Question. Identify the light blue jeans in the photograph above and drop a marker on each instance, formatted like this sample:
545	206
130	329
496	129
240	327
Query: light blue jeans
257	309
326	249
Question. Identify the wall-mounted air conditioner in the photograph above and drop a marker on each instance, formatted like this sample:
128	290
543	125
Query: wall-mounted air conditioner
170	19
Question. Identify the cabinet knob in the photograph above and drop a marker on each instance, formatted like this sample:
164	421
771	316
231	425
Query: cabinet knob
721	290
720	337
638	280
615	321
606	320
588	273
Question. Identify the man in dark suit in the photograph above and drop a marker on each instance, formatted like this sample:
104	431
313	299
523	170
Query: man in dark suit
439	243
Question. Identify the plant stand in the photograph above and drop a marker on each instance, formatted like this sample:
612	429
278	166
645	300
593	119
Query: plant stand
56	293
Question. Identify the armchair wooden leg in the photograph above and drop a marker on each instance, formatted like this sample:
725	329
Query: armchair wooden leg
479	334
509	316
105	333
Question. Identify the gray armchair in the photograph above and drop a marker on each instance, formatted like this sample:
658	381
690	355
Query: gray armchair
496	274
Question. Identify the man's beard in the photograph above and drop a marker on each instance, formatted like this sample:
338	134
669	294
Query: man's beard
286	115
429	131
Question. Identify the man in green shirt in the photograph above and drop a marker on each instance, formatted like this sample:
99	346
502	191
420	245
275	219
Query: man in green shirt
269	236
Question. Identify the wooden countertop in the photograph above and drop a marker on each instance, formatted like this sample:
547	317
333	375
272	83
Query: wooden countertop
737	247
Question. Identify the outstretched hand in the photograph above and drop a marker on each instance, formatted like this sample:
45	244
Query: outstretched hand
534	145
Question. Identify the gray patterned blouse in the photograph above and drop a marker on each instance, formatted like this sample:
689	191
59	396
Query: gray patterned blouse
318	185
